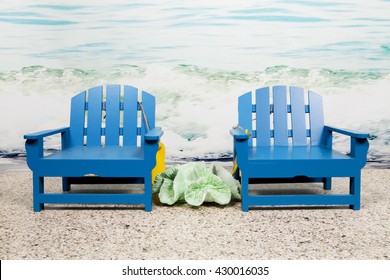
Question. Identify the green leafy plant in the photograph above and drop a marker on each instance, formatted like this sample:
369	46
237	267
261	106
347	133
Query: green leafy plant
196	183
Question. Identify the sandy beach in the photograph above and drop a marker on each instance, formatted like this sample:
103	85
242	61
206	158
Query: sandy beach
82	232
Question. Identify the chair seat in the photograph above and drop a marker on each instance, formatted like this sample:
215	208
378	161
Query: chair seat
299	153
100	161
98	153
288	162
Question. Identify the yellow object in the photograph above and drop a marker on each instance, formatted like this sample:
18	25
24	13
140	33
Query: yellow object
235	167
160	161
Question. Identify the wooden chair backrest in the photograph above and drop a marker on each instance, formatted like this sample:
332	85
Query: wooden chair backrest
111	116
282	116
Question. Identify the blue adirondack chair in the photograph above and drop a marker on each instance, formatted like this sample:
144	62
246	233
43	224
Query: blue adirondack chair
104	144
281	139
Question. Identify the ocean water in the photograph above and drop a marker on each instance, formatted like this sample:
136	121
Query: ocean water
196	58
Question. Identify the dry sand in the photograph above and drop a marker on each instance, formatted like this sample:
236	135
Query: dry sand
183	232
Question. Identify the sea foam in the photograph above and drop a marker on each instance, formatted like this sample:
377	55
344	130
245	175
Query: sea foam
196	107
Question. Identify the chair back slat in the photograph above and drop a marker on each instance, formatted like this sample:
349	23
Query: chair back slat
316	119
112	119
263	117
147	110
94	116
245	113
298	116
130	116
280	116
77	118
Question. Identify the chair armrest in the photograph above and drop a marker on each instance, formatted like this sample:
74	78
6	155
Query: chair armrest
239	134
347	132
154	134
358	146
41	134
34	144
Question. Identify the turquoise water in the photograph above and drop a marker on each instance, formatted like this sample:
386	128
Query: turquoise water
227	35
197	58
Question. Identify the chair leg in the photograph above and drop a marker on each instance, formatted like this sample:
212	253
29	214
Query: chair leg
65	184
38	189
244	193
354	189
148	193
328	183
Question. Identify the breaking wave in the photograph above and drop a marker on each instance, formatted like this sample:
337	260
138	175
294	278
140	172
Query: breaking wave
196	106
